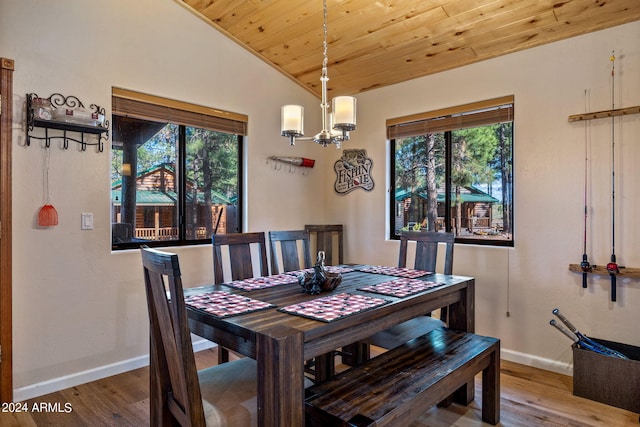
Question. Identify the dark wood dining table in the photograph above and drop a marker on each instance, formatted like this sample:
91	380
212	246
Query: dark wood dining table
281	342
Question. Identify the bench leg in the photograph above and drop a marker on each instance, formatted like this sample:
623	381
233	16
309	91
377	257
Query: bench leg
465	394
491	390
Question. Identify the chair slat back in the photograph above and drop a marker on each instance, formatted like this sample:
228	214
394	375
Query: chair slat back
239	245
427	249
289	247
324	236
171	349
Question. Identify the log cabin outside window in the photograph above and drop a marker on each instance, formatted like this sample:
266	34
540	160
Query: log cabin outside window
461	158
175	171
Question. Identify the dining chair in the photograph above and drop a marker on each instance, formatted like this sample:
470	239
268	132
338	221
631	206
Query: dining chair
327	237
322	366
239	261
220	395
239	255
426	256
288	241
330	239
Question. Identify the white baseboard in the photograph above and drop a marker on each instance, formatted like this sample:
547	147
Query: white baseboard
537	362
72	380
57	384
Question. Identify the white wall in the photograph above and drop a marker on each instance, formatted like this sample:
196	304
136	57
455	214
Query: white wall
532	278
76	305
79	309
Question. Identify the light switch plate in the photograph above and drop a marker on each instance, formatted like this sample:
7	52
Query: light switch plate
87	221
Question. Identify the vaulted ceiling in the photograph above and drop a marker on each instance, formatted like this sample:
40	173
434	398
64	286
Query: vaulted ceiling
374	43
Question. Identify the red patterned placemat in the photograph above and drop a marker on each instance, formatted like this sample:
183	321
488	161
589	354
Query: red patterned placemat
225	304
329	268
334	307
400	288
262	282
394	271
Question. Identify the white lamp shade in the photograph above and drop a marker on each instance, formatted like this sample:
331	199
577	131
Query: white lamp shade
292	120
344	112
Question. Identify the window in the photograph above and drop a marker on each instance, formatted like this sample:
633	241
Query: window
175	171
452	170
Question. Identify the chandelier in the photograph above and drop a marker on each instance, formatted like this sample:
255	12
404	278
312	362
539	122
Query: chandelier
336	123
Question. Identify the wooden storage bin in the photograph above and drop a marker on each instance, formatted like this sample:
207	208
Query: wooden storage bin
608	379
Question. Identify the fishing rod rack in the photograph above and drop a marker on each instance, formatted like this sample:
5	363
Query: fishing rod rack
623	272
605	113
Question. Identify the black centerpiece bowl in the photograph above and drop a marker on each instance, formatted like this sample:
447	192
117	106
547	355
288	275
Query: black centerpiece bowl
319	280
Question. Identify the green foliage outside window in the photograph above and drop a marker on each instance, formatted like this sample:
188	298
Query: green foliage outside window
185	186
458	180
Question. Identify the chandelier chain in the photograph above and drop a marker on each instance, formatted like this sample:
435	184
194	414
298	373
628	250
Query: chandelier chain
325	60
336	123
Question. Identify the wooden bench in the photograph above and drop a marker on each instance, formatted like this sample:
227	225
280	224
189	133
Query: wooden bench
401	384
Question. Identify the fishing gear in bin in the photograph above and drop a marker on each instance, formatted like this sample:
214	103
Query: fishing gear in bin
581	339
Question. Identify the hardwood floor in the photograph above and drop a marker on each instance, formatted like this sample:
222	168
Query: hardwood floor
530	397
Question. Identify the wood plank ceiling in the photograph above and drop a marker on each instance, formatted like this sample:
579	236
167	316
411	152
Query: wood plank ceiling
374	43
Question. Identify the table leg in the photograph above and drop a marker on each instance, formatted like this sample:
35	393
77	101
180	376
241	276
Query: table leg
355	354
324	366
462	313
279	353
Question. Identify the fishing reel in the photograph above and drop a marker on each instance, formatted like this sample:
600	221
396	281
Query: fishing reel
613	269
586	268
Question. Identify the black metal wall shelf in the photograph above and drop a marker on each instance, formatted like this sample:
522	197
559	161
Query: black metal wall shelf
99	132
